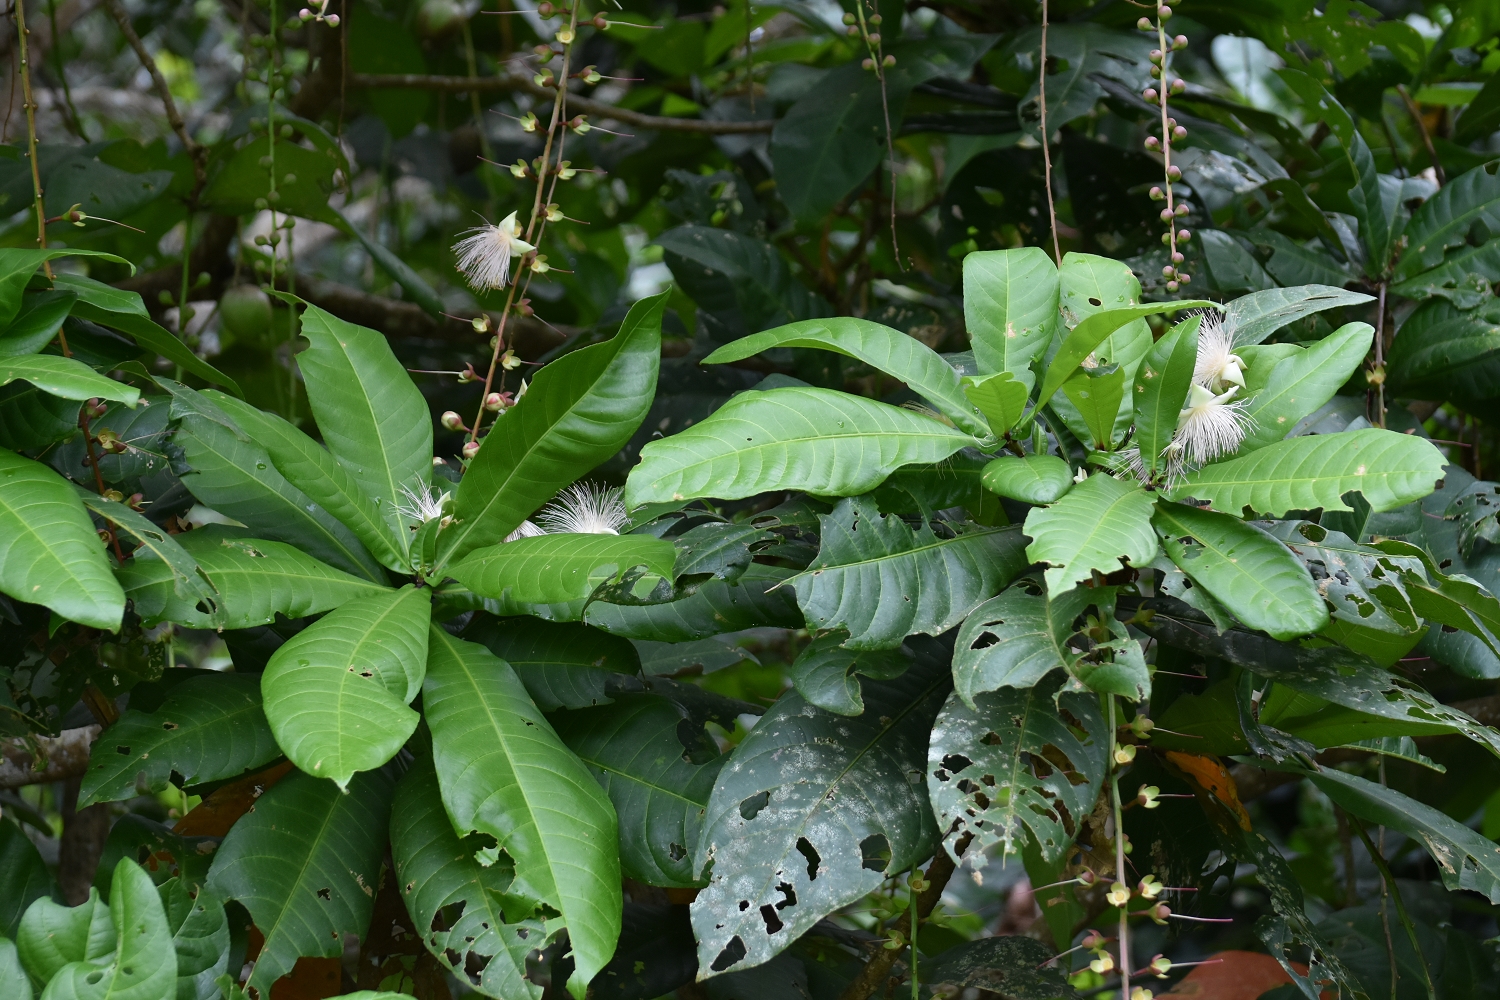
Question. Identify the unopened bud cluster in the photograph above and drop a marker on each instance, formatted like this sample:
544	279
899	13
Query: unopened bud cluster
1158	94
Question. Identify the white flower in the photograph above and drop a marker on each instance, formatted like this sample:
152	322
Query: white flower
525	529
1208	428
1217	365
423	504
484	258
585	509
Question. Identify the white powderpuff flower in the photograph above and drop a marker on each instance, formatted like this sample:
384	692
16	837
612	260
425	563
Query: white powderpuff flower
423	504
1217	365
526	529
484	258
1209	427
586	509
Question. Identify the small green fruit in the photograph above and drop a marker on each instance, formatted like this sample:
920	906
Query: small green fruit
245	312
438	17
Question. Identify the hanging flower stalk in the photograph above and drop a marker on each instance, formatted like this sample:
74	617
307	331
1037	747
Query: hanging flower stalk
867	29
1167	85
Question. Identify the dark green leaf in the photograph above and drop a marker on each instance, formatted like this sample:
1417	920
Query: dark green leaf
741	284
1447	353
562	664
758	598
1444	220
189	582
38	321
1011	965
827	674
200	936
1017	639
24	877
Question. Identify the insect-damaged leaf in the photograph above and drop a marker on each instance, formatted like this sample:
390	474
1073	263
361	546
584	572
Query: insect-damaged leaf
812	811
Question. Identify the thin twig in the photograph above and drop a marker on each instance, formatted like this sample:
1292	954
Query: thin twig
1416	117
879	966
174	117
1389	881
1046	140
1380	358
29	106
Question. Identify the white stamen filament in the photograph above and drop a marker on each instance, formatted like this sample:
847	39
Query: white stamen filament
484	258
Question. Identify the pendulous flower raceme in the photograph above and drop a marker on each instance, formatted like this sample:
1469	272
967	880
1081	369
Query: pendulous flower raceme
484	258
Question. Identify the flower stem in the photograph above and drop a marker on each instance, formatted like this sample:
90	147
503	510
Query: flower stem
1046	142
1119	817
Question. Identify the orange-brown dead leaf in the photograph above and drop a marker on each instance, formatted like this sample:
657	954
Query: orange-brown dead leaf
216	814
1234	975
1210	774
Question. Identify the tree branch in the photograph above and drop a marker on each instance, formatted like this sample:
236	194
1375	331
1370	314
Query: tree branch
878	967
464	84
63	756
174	117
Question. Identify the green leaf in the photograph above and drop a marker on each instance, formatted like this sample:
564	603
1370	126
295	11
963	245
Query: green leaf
1388	469
1007	964
740	284
49	553
200	936
40	317
1097	399
18	265
562	569
1010	307
881	580
24	877
1399	747
1018	638
336	693
826	673
1300	383
579	411
242	176
209	728
1248	571
235	476
1252	318
1444	220
780	815
489	926
658	769
562	664
824	442
52	936
31	418
13	978
65	377
1447	353
890	351
1161	387
505	773
1093	331
758	598
1000	397
992	772
1101	525
311	468
189	582
256	580
143	963
372	417
1464	278
305	863
1362	585
1035	479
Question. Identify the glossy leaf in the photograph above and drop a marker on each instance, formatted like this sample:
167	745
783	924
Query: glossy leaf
504	773
40	317
142	964
1300	383
66	378
17	266
209	728
1100	526
881	580
24	877
1016	639
1362	584
49	553
372	417
13	979
1097	399
1246	570
579	411
1093	331
1001	398
438	873
1010	307
200	937
1037	479
1444	220
1005	770
1161	387
53	936
783	814
305	862
658	769
1254	317
1388	469
825	442
189	582
562	664
758	598
562	569
826	673
1447	352
336	693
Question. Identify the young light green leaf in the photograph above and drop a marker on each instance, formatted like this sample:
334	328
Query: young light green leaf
579	411
1161	387
336	693
142	964
1252	318
1000	397
49	553
504	773
189	582
372	416
757	598
53	936
826	673
562	664
562	569
891	351
1097	399
65	377
305	863
200	936
882	580
825	442
1389	469
1010	307
1035	479
13	979
1246	570
1086	337
209	728
1016	639
1297	385
1101	525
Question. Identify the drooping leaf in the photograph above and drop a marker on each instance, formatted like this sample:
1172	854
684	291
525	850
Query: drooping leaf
1362	585
1010	307
658	769
827	673
24	877
52	936
336	693
209	728
49	553
305	863
490	927
372	417
1246	570
785	839
891	351
189	582
1016	639
65	377
256	580
1001	398
13	979
1038	479
1444	220
200	936
579	411
1300	383
1387	468
562	664
561	570
1252	318
1097	399
17	265
142	962
1009	965
1161	387
758	598
824	442
504	773
717	550
1447	352
1099	526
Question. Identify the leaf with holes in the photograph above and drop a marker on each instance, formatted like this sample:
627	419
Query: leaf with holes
209	728
1100	526
464	910
337	693
305	861
813	811
827	673
562	664
1005	770
758	598
1362	585
658	769
189	583
1018	638
881	580
200	936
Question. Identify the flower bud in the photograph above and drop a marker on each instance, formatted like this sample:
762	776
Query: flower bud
545	8
1152	142
438	462
332	20
849	18
305	15
1180	42
1174	173
1184	277
1163	12
1156	193
1166	215
874	38
452	421
1155	56
599	22
1087	877
1183	236
1172	286
1177	257
1145	24
876	19
1179	85
1149	95
867	64
888	62
1160	912
1167	271
1179	132
494	402
471	448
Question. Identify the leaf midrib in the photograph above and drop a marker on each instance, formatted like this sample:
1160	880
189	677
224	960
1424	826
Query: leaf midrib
937	543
